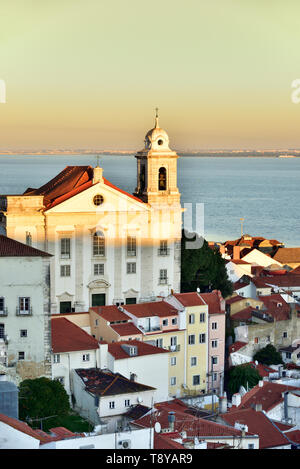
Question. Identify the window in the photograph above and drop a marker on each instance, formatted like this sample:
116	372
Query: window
98	244
202	338
196	380
98	200
191	319
215	376
193	361
191	339
159	343
112	404
250	445
98	269
130	301
214	325
28	238
56	358
127	402
214	360
23	333
131	246
173	361
214	343
163	276
173	341
288	355
65	270
163	248
61	379
284	335
21	355
24	305
173	381
165	322
131	267
65	248
256	340
202	317
2	334
86	357
174	321
2	306
96	322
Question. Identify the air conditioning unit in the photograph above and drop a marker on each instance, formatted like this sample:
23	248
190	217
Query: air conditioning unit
124	444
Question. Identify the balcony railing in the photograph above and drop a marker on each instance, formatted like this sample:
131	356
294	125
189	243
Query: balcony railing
24	312
131	253
163	251
174	348
3	312
162	281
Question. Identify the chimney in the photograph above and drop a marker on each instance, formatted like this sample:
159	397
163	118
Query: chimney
97	175
260	383
258	407
223	403
285	408
222	249
236	252
236	399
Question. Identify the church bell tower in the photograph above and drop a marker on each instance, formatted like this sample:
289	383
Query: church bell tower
157	169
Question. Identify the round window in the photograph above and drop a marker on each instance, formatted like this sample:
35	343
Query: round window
98	199
160	141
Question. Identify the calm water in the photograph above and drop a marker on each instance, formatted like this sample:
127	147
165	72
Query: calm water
265	191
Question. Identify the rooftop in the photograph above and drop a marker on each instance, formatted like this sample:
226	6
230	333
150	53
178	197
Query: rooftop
190	299
106	383
156	308
67	337
116	350
12	248
111	313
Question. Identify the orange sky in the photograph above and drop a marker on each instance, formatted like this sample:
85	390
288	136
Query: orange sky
89	74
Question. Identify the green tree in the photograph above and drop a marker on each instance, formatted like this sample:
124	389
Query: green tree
268	356
202	267
42	397
242	375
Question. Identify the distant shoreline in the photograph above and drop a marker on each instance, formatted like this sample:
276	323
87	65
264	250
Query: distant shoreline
290	154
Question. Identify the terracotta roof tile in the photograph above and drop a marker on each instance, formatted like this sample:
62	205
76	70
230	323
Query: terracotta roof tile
155	308
287	255
126	329
12	248
67	337
111	313
190	299
269	395
116	350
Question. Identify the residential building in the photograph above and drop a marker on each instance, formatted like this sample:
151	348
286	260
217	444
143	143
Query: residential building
101	396
72	348
25	335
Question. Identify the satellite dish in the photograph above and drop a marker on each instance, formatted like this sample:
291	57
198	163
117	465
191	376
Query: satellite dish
139	399
198	289
157	427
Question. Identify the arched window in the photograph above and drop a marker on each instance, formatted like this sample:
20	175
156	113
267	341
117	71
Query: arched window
162	179
98	244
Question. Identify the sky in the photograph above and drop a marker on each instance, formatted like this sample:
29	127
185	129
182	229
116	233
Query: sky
86	74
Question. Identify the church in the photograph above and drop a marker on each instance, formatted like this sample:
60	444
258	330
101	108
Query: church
107	246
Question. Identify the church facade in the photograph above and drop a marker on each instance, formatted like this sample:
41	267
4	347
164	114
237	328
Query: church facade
108	246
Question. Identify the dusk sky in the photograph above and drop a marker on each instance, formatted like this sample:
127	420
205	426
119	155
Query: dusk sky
89	73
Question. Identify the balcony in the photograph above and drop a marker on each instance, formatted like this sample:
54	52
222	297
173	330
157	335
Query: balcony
163	281
131	253
3	312
23	312
163	251
174	348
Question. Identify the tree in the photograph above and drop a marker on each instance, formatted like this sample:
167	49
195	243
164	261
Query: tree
268	356
42	397
242	375
202	267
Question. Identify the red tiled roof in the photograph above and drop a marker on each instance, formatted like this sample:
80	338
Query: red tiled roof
126	329
189	299
12	248
269	395
236	346
257	422
155	308
234	299
287	280
67	337
243	315
116	350
70	181
24	428
263	370
239	285
111	313
164	441
294	436
272	302
213	300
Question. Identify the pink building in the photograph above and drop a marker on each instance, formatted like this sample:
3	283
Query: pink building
216	340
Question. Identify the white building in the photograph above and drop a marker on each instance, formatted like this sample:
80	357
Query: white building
108	246
24	311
